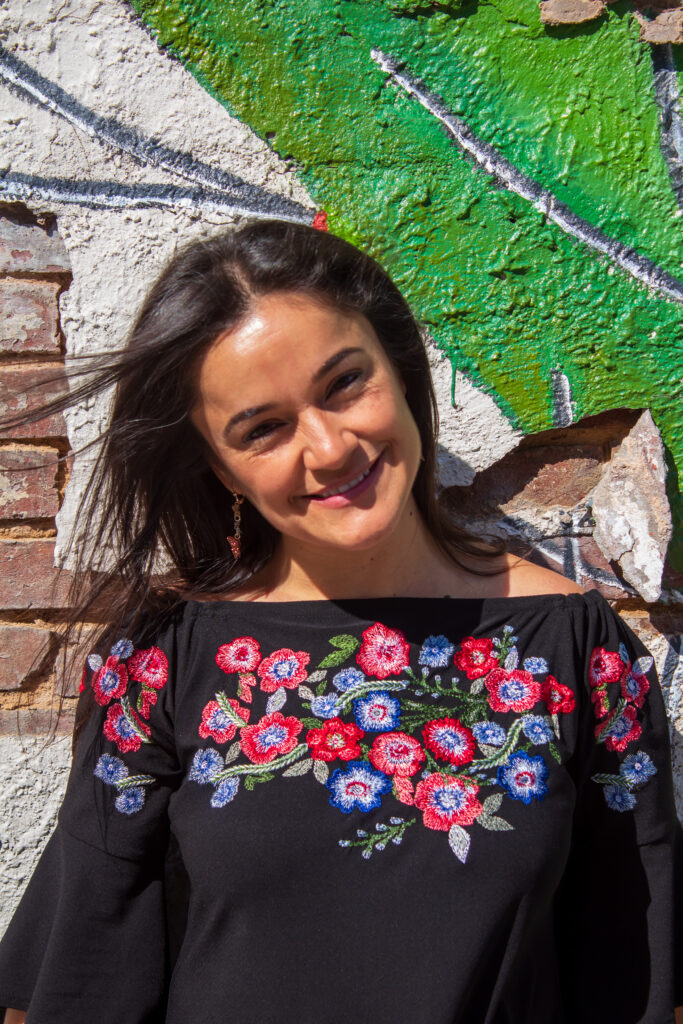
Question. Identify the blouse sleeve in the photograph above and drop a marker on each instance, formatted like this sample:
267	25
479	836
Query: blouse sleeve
90	939
620	901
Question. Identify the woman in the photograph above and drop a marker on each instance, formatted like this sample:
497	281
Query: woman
347	762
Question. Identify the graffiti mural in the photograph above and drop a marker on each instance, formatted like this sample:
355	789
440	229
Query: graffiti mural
522	182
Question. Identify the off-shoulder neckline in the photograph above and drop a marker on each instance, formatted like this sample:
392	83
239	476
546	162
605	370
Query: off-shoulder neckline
521	599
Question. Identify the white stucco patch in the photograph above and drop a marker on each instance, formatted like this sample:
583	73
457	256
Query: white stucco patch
33	775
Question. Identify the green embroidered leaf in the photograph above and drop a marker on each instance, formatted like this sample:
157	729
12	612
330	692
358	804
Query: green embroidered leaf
311	723
495	824
227	708
321	771
306	693
299	769
345	644
232	752
492	803
459	842
249	782
132	721
134	780
611	780
555	752
335	658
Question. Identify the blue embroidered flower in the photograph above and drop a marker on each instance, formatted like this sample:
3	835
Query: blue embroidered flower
225	792
489	732
619	799
205	764
537	729
130	800
347	678
436	652
325	706
122	649
111	769
637	768
536	666
358	785
378	712
524	777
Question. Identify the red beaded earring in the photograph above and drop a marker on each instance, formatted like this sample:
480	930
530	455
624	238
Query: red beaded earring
234	539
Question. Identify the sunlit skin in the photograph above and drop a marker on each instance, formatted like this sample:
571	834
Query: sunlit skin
334	405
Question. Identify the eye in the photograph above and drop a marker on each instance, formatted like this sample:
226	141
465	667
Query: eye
345	381
260	432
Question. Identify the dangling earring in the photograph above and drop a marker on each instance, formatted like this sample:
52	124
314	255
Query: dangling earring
234	540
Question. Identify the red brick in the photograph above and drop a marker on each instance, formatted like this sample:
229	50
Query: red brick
37	722
29	317
28	483
20	646
27	575
28	248
18	395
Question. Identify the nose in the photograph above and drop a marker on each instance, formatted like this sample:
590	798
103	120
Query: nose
328	442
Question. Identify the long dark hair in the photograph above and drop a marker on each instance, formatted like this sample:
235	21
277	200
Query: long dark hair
154	517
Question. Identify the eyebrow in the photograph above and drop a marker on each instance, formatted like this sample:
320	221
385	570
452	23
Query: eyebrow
255	410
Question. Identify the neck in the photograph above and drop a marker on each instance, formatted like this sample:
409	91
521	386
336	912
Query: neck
408	562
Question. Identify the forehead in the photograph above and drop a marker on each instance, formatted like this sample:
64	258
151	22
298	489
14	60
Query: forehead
283	339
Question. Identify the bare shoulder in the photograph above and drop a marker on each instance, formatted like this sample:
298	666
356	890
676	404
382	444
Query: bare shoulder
526	579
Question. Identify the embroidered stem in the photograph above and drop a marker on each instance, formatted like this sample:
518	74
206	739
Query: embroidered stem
261	769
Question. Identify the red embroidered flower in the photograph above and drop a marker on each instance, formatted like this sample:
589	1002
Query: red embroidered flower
241	655
512	691
557	696
335	739
145	701
450	740
445	801
634	685
126	734
403	789
283	668
84	673
149	667
396	753
618	734
475	658
383	651
604	667
217	724
600	700
110	681
272	735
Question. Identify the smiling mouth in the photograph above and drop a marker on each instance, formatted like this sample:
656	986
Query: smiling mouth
332	491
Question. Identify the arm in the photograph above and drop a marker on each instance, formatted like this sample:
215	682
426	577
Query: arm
19	1016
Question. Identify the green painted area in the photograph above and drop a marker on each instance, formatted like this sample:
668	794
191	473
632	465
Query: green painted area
509	296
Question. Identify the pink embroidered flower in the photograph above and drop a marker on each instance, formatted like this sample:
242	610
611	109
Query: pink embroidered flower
335	739
634	685
283	668
558	698
383	651
623	730
512	691
110	681
475	658
445	801
396	753
604	667
149	667
450	740
272	735
126	734
241	655
217	724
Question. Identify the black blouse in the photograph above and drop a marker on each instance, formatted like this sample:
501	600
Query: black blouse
413	810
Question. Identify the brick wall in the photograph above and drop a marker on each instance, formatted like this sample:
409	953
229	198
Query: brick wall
34	269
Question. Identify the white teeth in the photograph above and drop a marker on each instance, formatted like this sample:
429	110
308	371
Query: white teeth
346	487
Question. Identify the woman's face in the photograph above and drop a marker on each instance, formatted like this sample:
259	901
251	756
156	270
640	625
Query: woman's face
299	401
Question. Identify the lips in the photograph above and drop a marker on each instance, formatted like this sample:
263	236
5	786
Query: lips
345	486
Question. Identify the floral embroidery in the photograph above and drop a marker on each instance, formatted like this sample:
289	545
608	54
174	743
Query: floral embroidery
617	724
124	724
369	738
